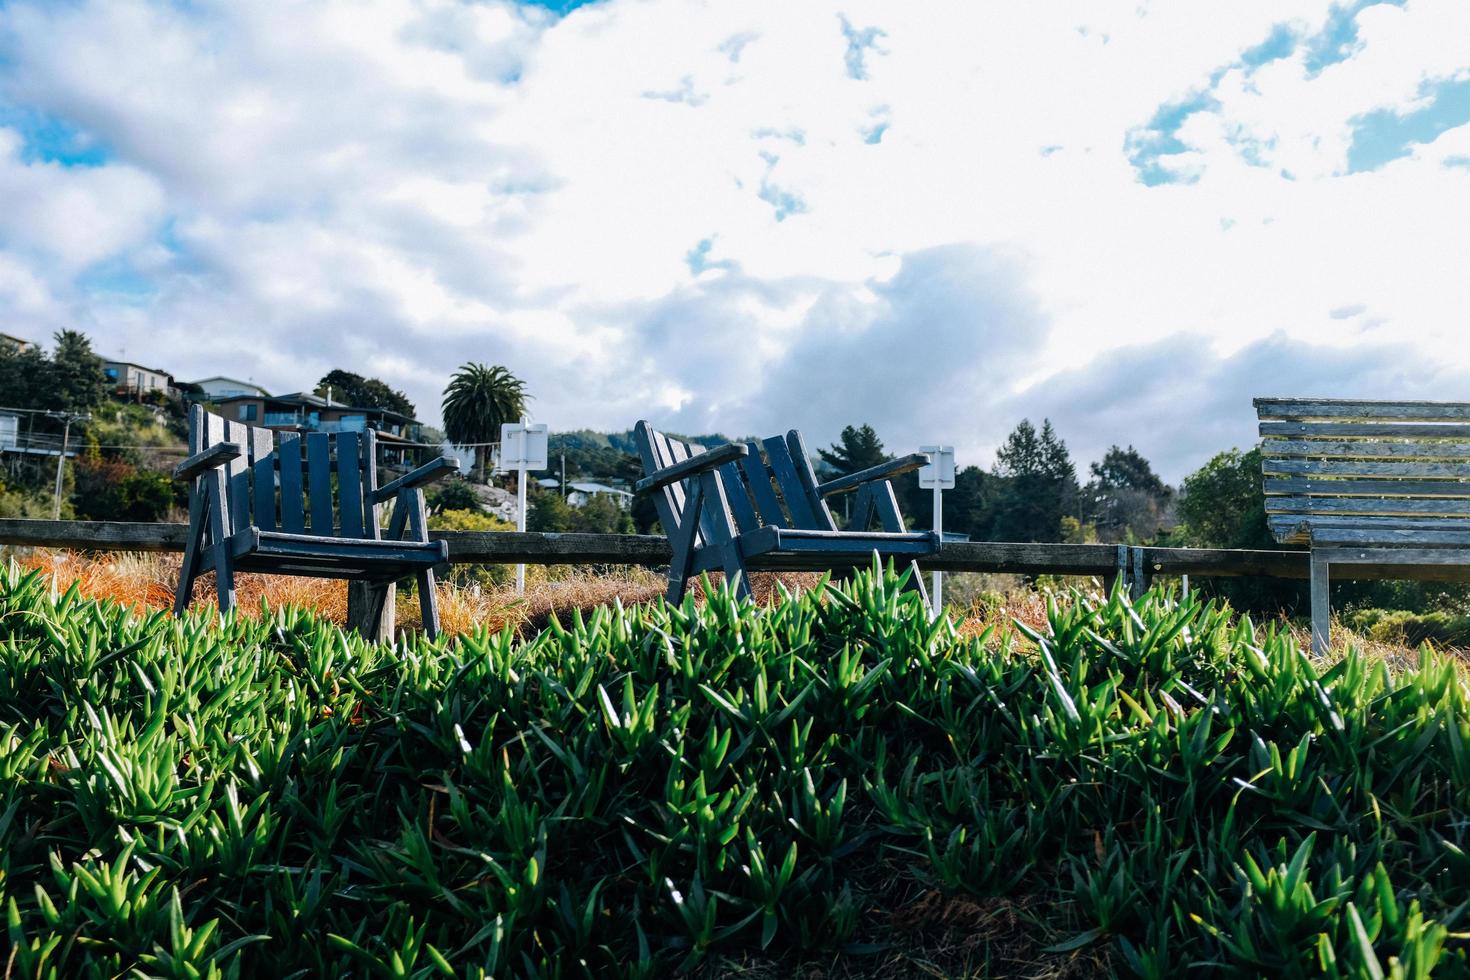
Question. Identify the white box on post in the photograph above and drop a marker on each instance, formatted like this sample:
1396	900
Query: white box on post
523	448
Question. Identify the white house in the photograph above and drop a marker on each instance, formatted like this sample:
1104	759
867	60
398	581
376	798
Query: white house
220	387
583	492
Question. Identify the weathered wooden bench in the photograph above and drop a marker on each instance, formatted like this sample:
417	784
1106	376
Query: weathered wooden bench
303	505
1367	483
758	506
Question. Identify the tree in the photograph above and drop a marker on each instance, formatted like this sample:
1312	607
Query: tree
78	382
357	391
1040	484
27	378
1125	498
477	402
1223	503
856	449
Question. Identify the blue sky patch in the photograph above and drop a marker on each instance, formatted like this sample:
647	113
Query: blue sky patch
49	139
1147	145
859	43
1280	44
1339	36
1384	135
558	6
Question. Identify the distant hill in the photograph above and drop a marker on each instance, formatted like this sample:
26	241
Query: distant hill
609	457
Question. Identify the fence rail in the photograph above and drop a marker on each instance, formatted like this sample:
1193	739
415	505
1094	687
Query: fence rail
1138	564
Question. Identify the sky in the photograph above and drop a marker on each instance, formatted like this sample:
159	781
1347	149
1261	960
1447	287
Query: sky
937	218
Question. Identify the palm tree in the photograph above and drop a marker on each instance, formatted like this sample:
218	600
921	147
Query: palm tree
477	402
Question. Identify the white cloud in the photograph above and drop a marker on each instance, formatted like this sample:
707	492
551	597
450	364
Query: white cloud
680	209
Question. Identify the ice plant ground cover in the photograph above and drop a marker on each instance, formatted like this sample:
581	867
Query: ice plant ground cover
832	781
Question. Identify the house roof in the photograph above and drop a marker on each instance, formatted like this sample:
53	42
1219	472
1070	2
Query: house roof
309	400
113	360
221	377
21	341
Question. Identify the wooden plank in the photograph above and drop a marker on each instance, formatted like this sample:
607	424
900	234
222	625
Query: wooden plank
792	489
1389	536
319	482
758	477
802	461
646	439
1370	449
1335	408
349	485
369	469
1419	470
1385	556
288	451
1361	488
738	498
1392	430
263	476
1379	506
237	471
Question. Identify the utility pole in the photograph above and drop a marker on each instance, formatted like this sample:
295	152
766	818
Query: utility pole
563	476
61	458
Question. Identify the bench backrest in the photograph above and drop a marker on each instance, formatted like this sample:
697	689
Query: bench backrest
284	481
772	485
1388	469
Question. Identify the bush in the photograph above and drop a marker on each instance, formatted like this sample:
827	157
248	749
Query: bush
1147	788
454	493
112	490
474	520
1398	626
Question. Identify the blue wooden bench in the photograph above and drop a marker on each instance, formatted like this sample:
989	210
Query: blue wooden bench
758	506
293	504
1367	483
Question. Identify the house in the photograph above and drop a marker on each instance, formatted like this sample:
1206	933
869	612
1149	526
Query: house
14	343
134	380
581	493
219	386
9	431
398	435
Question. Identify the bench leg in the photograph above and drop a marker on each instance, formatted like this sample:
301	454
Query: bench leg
1321	606
429	603
370	610
193	549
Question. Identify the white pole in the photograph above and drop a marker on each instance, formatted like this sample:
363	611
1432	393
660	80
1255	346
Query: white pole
939	530
521	522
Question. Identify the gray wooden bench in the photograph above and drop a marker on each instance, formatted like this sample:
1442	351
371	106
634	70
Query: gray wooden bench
1367	483
293	504
758	505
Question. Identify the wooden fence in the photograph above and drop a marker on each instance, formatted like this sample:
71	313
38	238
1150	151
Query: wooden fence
1137	564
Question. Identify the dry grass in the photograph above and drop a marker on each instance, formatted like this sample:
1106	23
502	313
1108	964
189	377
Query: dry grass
146	581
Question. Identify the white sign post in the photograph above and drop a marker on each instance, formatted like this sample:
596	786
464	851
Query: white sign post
938	474
523	448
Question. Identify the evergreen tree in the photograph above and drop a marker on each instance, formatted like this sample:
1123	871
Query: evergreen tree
357	391
856	449
1125	498
27	378
78	384
1039	485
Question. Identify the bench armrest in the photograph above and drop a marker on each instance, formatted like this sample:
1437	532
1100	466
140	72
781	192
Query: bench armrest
689	467
883	471
216	455
433	470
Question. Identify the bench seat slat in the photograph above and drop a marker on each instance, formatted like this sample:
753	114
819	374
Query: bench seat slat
1380	506
1334	408
1316	467
1369	429
1307	486
1368	449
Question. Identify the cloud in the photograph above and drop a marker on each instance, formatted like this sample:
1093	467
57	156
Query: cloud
745	217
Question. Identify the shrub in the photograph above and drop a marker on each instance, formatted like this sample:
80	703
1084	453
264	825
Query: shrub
1149	788
454	493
